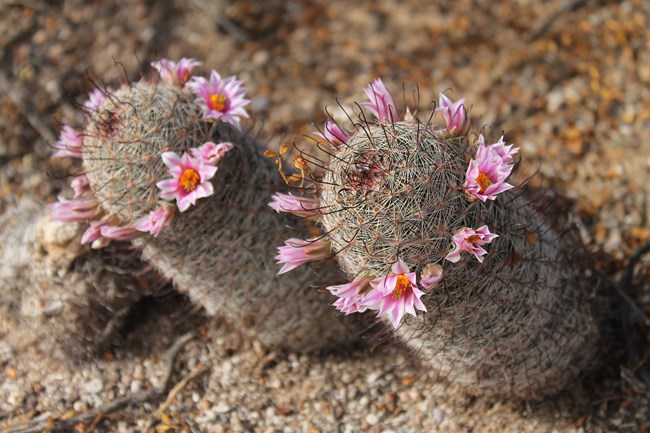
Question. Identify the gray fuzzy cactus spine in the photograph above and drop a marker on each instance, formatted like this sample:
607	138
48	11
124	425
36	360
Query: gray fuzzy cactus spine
464	265
149	144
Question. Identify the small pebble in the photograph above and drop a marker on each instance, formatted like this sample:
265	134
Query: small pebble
94	386
371	419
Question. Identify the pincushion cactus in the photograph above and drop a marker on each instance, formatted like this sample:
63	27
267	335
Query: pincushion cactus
433	238
166	165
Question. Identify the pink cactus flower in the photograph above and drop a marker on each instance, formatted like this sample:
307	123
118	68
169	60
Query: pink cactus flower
93	236
487	174
431	276
296	252
505	152
118	233
396	294
381	103
78	210
212	153
95	100
455	115
70	143
471	241
220	98
80	185
155	221
174	73
351	296
190	180
333	134
301	206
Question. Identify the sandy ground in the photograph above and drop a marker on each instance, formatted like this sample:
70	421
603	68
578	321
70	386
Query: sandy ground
567	81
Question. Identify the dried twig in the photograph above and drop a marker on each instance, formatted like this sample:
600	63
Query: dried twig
57	423
18	97
568	7
174	392
221	20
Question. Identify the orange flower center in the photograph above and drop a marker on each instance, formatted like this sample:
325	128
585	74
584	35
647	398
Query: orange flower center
473	239
217	102
401	286
190	179
483	181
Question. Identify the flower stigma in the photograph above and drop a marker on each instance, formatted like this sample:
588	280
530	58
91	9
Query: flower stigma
483	181
218	102
401	285
190	179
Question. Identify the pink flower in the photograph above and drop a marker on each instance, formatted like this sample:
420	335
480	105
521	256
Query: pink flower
486	175
78	210
301	206
211	153
455	115
155	221
95	100
505	152
431	276
471	241
118	233
381	102
395	294
175	73
295	252
69	143
351	296
334	134
220	99
80	185
189	181
93	236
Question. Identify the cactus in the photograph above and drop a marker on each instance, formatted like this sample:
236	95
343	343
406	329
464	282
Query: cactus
71	298
417	224
179	139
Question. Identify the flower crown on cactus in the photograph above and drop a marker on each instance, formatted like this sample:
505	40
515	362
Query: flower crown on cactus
395	291
217	99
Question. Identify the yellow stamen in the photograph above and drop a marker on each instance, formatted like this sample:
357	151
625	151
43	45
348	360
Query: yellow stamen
189	179
483	181
217	102
401	286
473	239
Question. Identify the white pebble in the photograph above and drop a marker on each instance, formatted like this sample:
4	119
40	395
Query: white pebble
136	386
438	415
372	419
222	407
94	386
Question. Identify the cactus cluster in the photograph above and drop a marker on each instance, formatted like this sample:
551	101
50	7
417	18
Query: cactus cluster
166	166
422	220
462	264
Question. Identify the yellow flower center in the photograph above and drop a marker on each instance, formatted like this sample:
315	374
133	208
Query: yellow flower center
473	239
483	181
217	102
190	179
401	286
